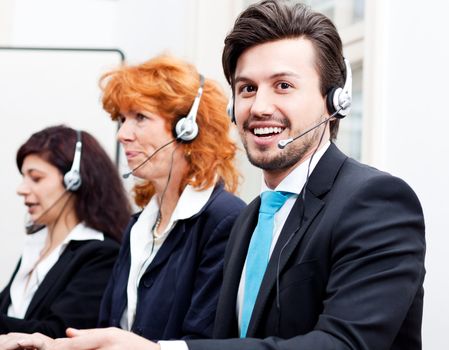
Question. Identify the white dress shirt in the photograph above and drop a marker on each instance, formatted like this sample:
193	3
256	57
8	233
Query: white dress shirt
143	249
31	273
293	182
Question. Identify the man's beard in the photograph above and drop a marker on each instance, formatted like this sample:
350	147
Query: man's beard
288	157
283	160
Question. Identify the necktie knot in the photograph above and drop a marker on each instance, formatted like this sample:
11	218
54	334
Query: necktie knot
272	201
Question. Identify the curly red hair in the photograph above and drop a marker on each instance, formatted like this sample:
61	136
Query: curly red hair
169	85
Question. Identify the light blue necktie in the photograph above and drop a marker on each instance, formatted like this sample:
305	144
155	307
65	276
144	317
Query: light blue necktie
259	252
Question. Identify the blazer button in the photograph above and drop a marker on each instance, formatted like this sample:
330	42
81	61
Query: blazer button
148	282
137	330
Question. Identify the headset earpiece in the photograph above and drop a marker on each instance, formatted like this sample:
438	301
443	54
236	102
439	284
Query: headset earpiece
186	129
72	179
333	93
230	109
340	99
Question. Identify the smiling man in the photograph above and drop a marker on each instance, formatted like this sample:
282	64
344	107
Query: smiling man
344	266
331	254
277	95
342	263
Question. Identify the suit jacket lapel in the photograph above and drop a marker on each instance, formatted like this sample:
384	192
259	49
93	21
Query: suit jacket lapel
50	279
5	296
168	246
177	235
226	319
326	172
293	234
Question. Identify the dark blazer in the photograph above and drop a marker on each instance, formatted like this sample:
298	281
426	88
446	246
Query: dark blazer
350	278
178	293
69	295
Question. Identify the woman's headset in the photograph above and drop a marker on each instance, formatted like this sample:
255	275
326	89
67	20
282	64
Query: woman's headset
72	179
186	129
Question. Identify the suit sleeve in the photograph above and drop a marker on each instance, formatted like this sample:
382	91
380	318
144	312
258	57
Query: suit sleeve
199	319
4	295
106	305
104	314
377	269
77	305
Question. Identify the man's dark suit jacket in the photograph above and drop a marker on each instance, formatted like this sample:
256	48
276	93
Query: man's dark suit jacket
350	278
178	293
69	295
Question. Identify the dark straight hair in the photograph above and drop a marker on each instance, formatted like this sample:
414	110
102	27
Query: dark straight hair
272	20
101	201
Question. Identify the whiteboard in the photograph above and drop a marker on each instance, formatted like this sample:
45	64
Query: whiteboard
40	87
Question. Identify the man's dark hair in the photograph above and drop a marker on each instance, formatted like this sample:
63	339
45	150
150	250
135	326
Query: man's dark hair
271	20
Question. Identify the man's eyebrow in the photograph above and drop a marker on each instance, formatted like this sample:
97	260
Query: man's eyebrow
285	74
239	79
273	76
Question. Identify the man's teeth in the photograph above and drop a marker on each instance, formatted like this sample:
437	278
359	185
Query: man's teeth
267	131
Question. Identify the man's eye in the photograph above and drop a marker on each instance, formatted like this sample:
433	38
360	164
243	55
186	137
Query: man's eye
283	85
247	89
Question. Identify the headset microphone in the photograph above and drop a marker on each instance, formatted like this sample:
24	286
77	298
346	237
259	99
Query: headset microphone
126	175
185	130
283	143
72	182
32	226
338	103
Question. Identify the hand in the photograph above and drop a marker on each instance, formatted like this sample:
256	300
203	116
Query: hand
9	341
103	339
36	341
89	339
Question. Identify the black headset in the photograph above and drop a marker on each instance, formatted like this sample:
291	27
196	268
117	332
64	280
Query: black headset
186	129
337	99
72	178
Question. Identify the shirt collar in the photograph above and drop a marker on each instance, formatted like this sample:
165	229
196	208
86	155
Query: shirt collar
79	233
83	233
35	242
296	179
189	204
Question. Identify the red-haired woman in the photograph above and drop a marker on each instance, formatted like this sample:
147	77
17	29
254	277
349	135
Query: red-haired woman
79	209
166	282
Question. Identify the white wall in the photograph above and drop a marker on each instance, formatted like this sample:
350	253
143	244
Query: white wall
5	20
406	101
